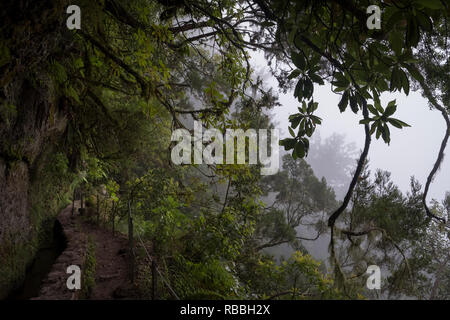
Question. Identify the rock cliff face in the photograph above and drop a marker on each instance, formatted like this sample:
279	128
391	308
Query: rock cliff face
32	121
27	183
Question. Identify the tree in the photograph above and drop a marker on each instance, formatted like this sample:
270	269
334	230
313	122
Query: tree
300	199
89	92
333	159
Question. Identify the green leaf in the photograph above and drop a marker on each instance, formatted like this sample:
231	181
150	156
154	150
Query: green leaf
295	121
414	72
340	80
298	92
386	134
339	89
372	109
288	143
395	79
291	132
78	63
392	103
306	143
317	79
373	127
298	60
295	115
58	72
312	106
379	107
309	88
304	107
397	123
344	101
424	21
380	130
395	40
316	120
404	82
354	104
294	74
309	129
71	92
390	109
412	32
302	126
299	149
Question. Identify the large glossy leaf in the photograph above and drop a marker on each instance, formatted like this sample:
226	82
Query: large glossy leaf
298	60
344	101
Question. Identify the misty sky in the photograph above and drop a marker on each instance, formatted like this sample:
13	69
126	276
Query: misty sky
412	151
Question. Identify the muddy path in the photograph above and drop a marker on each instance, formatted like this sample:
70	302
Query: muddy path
112	275
111	266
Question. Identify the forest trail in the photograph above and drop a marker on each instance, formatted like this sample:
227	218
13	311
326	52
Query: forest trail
112	273
111	267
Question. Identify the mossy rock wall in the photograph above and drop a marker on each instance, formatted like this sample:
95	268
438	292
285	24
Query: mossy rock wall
27	217
34	178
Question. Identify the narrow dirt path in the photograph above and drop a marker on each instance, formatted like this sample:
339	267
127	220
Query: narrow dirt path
111	274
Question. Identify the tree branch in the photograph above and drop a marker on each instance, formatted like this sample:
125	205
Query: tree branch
429	95
359	168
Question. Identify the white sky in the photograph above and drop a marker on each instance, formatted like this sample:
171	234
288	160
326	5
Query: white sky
413	150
